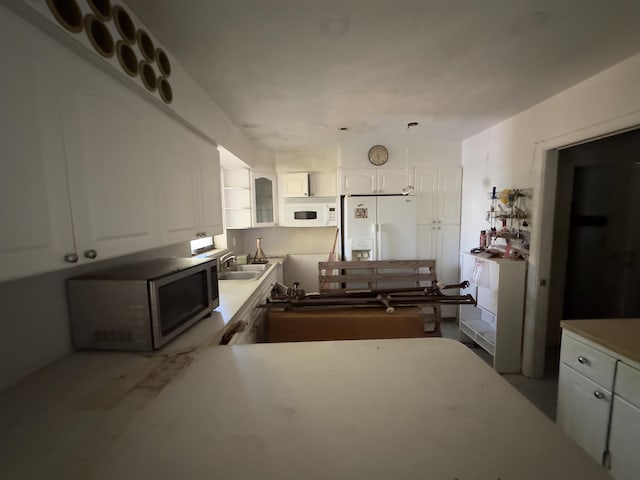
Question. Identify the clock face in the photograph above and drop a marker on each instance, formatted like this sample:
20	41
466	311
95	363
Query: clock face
378	155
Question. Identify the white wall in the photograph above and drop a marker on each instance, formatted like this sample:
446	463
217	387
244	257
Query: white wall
512	154
278	241
307	160
415	144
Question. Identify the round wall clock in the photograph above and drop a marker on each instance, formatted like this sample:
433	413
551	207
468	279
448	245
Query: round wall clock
378	155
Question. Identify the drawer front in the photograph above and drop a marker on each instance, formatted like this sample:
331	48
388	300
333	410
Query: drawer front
590	362
628	384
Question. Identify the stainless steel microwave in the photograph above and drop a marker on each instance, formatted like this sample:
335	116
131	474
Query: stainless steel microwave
141	306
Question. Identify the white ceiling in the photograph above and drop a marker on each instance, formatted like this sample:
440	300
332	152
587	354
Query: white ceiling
290	73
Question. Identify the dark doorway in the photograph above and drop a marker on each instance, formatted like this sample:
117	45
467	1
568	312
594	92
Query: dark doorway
597	247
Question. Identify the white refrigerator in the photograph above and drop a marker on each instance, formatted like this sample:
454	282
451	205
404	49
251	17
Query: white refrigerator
379	227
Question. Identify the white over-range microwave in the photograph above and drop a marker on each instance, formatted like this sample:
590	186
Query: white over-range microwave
309	215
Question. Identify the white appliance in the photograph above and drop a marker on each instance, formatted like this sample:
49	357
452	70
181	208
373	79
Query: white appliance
311	214
379	227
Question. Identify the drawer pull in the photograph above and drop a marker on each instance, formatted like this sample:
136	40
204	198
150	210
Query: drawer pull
583	360
599	395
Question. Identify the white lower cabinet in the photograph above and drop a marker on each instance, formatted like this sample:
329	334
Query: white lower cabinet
583	411
599	404
253	316
495	324
441	243
624	441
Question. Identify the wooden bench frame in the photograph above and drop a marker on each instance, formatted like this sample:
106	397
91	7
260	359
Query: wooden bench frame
337	277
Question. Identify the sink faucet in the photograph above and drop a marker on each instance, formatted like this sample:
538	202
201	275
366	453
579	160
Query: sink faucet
227	260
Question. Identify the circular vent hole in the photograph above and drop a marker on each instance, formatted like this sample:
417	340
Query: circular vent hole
124	24
162	60
146	45
102	9
165	90
127	58
67	13
148	76
99	36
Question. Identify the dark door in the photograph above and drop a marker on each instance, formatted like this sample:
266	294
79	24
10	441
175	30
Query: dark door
602	268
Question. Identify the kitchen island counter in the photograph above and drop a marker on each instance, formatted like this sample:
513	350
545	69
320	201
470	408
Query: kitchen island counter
376	409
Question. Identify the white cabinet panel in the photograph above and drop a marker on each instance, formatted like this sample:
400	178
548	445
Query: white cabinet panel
583	411
624	441
208	172
393	180
499	310
439	192
356	182
628	383
367	181
35	228
265	198
440	242
237	198
589	361
172	156
427	195
111	179
450	190
322	184
295	185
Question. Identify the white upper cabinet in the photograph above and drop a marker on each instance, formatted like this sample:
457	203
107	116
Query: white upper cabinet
189	183
109	157
236	184
371	181
439	192
35	229
210	196
295	185
90	170
322	184
174	160
308	184
264	199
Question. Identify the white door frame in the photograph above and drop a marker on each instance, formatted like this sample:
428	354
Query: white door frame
537	296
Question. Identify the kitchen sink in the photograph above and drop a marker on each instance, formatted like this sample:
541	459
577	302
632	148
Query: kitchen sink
244	272
254	267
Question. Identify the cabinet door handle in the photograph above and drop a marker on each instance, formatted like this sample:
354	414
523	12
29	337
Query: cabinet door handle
71	258
598	394
583	360
91	254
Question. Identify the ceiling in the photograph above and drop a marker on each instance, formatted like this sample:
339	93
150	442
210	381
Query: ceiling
291	73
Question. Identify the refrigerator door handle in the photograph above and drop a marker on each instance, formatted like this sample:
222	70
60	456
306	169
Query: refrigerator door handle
378	241
374	235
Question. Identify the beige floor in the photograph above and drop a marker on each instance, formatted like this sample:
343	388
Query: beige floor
541	392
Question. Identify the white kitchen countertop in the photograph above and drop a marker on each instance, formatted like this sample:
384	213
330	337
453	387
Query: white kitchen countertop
374	409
